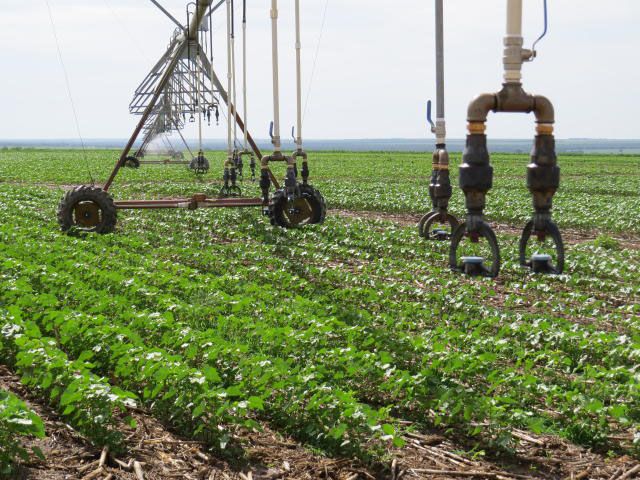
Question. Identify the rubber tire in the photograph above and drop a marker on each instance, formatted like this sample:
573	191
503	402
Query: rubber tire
132	162
196	167
313	196
82	194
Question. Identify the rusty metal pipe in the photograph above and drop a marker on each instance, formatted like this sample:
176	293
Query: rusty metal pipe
197	201
543	108
513	99
480	107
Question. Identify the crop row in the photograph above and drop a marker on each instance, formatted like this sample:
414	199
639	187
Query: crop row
71	166
365	327
597	192
227	385
83	399
17	421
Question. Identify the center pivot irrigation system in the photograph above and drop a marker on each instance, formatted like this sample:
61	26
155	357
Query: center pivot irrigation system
184	85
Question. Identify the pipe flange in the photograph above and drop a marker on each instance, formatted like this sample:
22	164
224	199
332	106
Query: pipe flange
542	263
481	230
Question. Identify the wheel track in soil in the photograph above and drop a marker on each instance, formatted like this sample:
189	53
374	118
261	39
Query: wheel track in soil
571	236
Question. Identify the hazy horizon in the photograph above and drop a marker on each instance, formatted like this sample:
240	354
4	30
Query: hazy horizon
496	145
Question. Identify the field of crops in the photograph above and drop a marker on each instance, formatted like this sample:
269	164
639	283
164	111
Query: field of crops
351	342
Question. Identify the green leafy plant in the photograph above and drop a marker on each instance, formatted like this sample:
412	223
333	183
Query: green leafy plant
17	422
339	335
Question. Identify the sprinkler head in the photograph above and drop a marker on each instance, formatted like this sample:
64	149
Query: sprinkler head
541	263
440	234
473	266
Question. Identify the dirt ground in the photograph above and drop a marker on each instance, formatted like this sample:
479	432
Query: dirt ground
570	236
153	452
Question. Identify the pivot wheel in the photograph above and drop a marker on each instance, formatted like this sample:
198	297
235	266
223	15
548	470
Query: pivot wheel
199	164
132	162
309	208
232	191
87	209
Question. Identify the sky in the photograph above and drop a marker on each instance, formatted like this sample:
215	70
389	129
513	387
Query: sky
374	66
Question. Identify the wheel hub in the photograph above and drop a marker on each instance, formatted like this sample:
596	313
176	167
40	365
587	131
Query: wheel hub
87	214
298	211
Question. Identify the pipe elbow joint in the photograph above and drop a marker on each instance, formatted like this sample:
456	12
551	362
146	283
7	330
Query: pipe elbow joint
300	154
480	107
543	109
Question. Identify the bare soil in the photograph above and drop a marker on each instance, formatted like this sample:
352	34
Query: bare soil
160	454
570	236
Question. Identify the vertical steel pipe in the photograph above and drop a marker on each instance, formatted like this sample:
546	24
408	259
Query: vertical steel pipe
440	100
276	78
298	77
230	92
244	72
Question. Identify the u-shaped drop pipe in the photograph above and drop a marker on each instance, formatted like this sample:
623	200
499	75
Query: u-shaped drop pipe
543	173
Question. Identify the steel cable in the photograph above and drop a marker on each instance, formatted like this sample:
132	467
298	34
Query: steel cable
68	85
